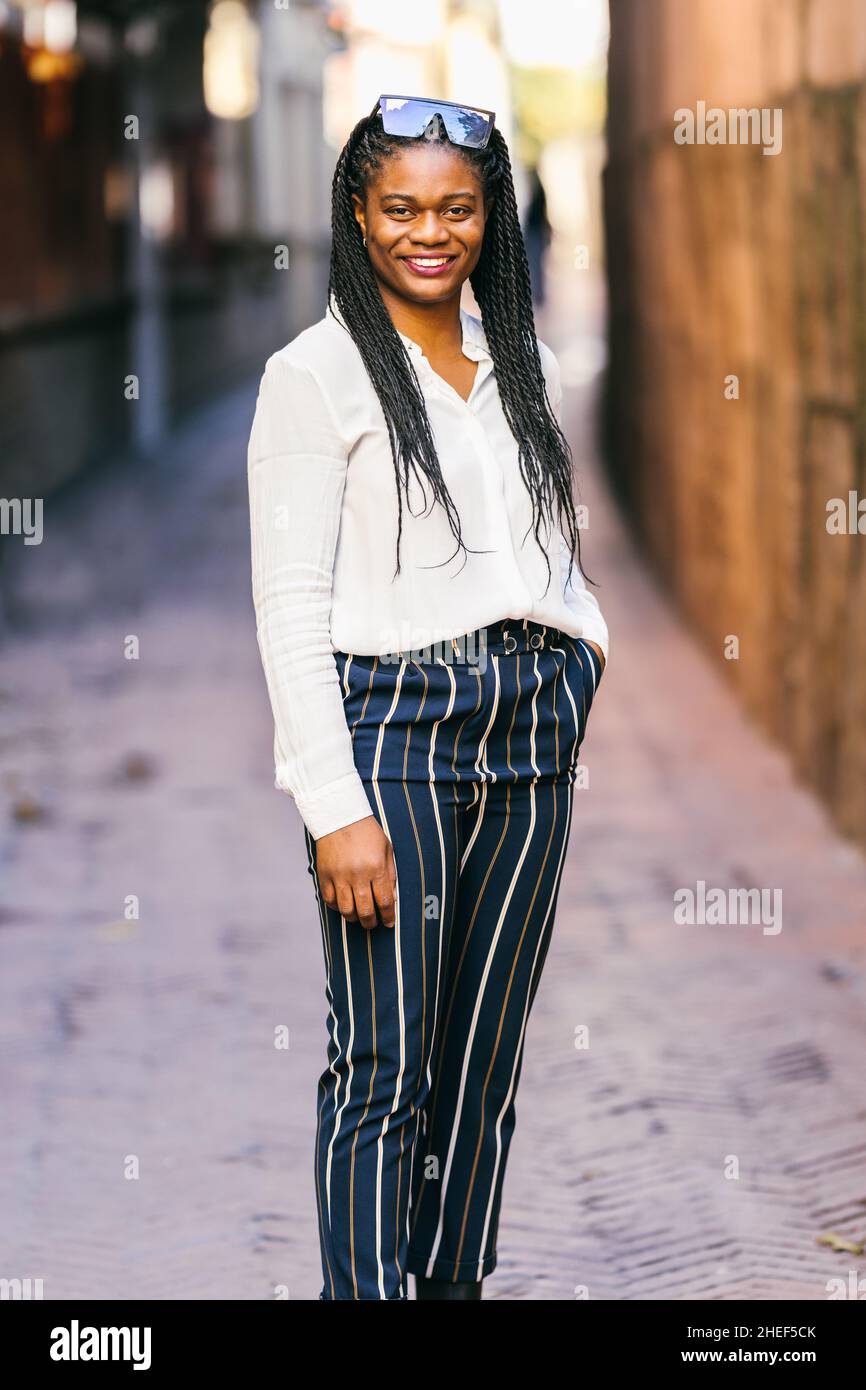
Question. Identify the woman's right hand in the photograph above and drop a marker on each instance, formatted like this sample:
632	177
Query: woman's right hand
357	874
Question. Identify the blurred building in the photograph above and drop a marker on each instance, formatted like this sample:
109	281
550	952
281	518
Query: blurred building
738	370
165	170
446	48
165	184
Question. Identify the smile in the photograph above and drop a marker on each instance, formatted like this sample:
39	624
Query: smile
428	265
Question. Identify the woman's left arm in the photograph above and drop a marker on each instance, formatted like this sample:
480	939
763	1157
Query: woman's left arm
583	605
578	599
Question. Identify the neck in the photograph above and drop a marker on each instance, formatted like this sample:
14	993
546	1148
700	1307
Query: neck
434	327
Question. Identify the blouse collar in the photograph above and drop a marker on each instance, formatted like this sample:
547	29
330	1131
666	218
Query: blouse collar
475	344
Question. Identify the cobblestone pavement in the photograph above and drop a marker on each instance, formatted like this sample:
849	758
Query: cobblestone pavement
161	1146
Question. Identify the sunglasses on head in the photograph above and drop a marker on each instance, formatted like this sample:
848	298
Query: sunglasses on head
465	125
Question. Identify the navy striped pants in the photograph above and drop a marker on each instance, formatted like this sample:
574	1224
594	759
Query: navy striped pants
469	764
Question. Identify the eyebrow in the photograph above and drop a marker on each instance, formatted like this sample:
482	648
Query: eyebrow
410	197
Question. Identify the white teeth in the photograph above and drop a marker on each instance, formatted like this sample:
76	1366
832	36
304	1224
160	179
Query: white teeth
428	260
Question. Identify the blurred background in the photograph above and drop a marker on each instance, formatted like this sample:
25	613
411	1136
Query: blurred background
165	174
159	156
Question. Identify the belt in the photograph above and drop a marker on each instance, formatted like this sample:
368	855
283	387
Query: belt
501	638
518	635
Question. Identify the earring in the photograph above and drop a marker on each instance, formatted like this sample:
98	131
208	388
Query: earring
365	241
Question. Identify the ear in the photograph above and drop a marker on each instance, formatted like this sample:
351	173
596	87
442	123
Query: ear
360	217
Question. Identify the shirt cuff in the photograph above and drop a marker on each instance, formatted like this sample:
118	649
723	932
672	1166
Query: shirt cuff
335	805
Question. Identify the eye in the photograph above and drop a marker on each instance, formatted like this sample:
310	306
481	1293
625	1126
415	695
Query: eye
398	209
458	207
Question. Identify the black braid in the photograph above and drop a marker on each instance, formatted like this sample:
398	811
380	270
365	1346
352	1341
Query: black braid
502	288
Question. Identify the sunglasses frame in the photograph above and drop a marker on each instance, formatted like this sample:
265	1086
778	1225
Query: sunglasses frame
435	103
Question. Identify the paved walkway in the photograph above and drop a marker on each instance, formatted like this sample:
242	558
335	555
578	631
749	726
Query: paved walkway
160	1145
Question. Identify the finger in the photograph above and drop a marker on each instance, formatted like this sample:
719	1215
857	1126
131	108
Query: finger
383	892
365	906
346	902
328	892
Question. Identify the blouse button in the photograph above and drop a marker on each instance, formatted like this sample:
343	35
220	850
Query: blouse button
535	639
510	644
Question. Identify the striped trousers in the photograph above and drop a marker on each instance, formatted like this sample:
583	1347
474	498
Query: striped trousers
469	765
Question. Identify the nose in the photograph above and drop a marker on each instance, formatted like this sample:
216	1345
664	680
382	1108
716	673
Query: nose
428	230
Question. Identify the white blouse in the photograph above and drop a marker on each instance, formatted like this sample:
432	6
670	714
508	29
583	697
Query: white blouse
323	521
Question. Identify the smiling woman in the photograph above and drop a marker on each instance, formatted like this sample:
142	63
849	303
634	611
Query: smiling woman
418	225
436	795
425	229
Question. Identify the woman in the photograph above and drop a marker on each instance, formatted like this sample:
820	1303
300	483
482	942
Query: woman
427	716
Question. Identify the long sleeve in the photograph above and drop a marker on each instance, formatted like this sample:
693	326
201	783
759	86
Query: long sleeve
578	598
297	464
583	604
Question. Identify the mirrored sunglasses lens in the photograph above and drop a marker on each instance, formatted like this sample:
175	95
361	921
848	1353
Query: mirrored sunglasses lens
404	117
463	125
466	127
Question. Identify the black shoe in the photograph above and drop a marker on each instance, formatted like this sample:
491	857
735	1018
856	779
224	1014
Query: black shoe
444	1288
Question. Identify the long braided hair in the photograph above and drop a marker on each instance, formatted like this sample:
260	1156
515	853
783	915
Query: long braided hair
502	289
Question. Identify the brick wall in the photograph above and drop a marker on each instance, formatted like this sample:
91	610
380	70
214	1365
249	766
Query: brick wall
724	261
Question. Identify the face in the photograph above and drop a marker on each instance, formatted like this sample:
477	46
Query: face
424	222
